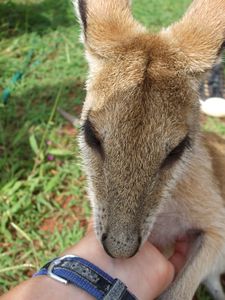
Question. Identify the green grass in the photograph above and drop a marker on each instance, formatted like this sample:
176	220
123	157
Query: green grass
43	205
215	125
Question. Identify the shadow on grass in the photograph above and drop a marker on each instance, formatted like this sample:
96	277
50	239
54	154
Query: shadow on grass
16	19
28	113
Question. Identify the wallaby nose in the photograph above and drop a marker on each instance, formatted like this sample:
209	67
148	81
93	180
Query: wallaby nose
121	246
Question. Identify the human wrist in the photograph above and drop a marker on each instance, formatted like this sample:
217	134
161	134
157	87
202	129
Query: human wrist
60	291
146	274
45	288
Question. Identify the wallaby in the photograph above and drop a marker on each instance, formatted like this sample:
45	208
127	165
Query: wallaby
151	173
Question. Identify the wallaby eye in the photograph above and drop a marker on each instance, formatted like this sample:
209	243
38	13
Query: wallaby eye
91	137
177	152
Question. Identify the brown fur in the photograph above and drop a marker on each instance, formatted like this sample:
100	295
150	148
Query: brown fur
142	101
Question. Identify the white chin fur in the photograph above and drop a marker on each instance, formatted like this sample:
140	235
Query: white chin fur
214	107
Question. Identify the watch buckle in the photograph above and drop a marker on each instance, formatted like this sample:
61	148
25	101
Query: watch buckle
53	264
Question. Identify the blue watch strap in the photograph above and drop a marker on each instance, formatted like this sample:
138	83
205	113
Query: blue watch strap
80	272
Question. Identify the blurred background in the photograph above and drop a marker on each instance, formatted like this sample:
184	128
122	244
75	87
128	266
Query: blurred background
43	204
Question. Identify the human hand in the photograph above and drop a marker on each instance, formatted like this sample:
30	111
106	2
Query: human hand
146	275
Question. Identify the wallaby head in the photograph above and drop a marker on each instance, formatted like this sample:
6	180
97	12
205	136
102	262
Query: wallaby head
141	114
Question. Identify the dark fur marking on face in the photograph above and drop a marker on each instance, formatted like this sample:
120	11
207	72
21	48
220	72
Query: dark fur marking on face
91	137
83	9
177	152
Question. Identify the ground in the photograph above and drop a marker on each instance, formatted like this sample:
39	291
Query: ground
43	204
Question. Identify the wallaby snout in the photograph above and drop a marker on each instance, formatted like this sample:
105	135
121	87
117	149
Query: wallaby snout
121	245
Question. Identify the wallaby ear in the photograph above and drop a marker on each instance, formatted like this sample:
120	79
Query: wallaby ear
200	35
105	24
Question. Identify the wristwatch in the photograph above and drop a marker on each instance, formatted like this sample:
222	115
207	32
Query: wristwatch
71	269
